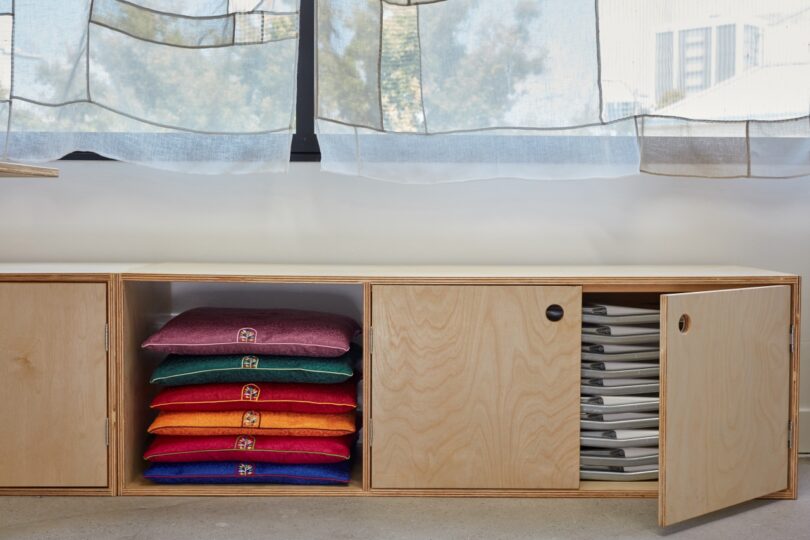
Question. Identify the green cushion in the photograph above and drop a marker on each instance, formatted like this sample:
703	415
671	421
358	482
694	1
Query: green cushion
178	370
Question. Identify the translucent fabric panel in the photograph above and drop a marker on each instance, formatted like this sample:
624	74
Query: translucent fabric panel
204	8
400	61
6	22
148	81
4	109
165	28
175	84
249	28
411	2
512	63
50	40
716	87
688	148
706	59
190	8
780	149
183	31
276	6
348	62
601	151
47	133
264	27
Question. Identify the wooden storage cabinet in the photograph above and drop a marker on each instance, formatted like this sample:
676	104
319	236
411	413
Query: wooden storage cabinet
55	401
470	390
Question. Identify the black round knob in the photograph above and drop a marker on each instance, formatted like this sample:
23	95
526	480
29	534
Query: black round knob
554	312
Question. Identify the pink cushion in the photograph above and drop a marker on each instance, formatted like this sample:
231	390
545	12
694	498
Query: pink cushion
285	332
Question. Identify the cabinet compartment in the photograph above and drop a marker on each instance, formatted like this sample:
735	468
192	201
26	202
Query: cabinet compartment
53	387
726	376
149	304
475	387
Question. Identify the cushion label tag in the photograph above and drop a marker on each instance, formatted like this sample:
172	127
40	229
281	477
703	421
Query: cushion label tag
245	442
250	392
250	362
246	335
251	419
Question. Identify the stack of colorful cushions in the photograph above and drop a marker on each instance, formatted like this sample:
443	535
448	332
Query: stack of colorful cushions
254	396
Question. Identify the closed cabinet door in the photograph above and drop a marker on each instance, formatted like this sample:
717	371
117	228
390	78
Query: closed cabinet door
725	388
53	384
475	387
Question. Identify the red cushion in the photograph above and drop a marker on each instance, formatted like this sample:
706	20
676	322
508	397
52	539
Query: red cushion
299	450
283	397
285	332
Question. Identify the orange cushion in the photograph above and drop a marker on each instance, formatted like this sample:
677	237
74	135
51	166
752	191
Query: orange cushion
253	423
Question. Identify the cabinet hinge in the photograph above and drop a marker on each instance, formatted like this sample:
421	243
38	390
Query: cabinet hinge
106	432
792	338
107	337
370	432
370	340
790	434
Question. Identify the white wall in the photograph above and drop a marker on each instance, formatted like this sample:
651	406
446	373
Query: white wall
100	211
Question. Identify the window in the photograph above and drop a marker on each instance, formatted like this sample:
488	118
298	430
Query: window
664	68
695	59
752	46
726	52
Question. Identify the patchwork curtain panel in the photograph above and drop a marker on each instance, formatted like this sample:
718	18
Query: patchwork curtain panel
196	85
415	90
430	90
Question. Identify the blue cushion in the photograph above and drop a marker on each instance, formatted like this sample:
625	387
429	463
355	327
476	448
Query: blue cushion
235	472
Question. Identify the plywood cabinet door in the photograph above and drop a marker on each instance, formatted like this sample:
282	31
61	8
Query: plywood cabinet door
53	384
725	387
475	387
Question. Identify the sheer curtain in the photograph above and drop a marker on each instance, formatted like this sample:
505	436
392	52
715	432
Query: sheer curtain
202	86
435	90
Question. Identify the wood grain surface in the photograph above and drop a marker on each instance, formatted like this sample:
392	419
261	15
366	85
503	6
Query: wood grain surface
725	399
148	300
141	305
53	388
473	387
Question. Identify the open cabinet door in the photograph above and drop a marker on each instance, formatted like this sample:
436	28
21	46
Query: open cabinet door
725	374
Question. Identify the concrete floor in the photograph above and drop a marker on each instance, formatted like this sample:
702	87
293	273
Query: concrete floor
67	518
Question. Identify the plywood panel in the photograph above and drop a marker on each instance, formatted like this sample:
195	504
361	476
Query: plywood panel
725	399
23	170
366	390
445	271
142	305
473	387
53	388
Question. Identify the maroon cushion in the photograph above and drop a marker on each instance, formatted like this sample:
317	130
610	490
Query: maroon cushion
173	449
285	332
